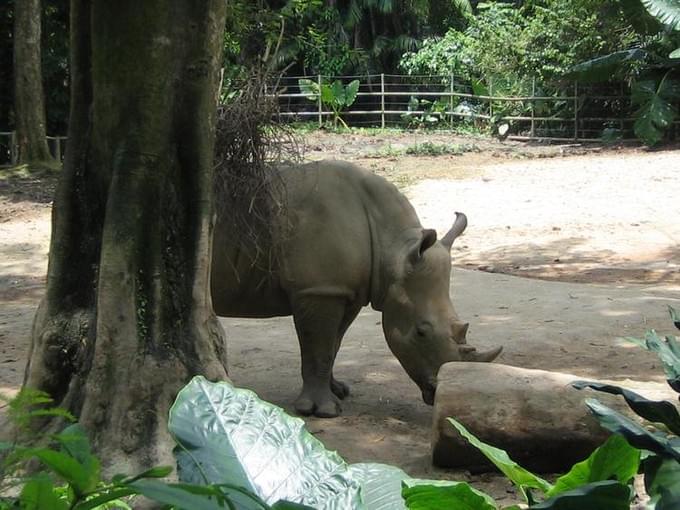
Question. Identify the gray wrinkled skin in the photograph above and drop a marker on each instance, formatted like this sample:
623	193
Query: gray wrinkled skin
354	240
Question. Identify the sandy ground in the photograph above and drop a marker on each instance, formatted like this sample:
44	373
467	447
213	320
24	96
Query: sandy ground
567	250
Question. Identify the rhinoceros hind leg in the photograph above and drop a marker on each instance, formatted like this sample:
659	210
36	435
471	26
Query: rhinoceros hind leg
318	321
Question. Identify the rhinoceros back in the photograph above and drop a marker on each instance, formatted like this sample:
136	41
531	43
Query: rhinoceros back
338	225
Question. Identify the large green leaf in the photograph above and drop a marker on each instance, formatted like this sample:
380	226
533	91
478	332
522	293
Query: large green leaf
338	93
190	498
351	92
607	495
108	499
39	494
660	411
229	436
601	68
662	482
615	459
380	485
328	95
634	433
430	496
668	351
67	468
517	474
309	88
656	107
74	442
666	11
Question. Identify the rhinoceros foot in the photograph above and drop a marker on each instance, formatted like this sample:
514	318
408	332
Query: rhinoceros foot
339	389
319	402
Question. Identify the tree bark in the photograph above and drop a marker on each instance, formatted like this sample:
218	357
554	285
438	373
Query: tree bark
127	319
29	100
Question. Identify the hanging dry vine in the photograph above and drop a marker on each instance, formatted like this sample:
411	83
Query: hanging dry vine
249	148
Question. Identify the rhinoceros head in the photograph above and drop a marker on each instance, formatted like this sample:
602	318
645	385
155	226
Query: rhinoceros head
419	321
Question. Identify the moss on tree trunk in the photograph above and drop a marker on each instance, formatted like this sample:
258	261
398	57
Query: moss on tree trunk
127	318
29	101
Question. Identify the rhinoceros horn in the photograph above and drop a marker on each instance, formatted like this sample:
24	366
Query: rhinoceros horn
484	356
456	230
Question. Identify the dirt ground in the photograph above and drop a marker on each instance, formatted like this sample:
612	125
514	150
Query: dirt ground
568	249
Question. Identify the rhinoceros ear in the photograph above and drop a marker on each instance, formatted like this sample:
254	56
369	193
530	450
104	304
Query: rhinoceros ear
427	240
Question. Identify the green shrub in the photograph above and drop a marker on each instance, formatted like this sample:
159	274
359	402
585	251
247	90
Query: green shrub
541	39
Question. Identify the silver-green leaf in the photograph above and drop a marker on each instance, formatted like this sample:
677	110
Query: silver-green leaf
229	436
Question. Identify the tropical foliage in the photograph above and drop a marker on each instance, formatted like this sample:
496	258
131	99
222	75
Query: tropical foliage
661	438
505	45
601	481
537	39
652	65
229	437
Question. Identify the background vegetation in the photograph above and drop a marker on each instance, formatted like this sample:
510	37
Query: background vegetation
507	43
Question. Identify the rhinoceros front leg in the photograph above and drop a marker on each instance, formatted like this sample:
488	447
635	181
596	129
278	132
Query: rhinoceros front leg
339	388
318	321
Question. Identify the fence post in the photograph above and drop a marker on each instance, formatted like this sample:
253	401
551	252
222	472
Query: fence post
318	81
490	100
451	90
576	111
57	156
621	113
13	152
533	100
382	100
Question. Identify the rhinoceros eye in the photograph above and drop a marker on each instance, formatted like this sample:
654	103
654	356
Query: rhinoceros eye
423	329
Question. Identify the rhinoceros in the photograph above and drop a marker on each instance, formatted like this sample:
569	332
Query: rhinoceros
353	240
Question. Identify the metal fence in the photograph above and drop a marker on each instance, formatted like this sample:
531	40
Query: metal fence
552	112
564	112
9	154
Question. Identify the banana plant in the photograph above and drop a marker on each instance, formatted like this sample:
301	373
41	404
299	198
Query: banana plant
335	96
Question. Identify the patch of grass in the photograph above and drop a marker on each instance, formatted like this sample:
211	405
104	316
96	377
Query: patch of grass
378	131
423	149
440	149
461	129
471	129
302	128
311	127
386	151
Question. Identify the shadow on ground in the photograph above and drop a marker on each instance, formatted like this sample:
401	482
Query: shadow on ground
573	260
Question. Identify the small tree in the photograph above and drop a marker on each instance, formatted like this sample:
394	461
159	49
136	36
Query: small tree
29	103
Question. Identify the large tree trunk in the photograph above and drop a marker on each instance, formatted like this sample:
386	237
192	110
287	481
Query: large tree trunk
29	101
127	318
